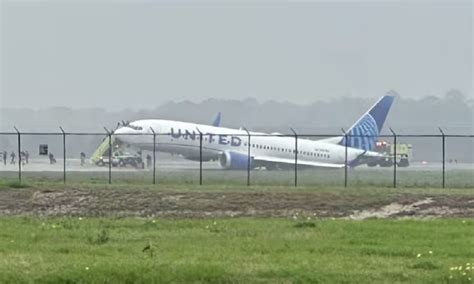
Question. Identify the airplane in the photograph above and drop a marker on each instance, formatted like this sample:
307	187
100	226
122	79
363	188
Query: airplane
230	147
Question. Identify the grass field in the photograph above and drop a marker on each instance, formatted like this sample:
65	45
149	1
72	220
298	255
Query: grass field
241	250
356	177
305	244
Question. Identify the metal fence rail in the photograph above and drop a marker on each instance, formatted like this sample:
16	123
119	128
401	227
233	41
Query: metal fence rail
108	134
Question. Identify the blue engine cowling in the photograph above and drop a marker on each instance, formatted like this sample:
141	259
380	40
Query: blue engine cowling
234	161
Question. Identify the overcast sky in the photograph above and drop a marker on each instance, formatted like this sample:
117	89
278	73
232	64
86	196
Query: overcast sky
121	54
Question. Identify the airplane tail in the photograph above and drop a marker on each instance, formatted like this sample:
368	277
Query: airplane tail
217	120
365	132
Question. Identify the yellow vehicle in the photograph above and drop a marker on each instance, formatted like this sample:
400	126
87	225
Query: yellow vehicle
119	158
403	154
102	150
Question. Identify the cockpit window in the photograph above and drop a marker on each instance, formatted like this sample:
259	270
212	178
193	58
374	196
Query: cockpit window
135	127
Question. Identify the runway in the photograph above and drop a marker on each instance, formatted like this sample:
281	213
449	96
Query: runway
43	165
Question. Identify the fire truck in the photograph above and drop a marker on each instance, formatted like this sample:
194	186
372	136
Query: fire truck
403	154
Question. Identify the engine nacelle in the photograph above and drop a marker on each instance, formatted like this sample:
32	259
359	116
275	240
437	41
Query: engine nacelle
234	161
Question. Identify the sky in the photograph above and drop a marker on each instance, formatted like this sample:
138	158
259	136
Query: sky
141	54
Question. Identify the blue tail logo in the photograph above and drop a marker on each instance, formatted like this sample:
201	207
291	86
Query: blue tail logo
365	132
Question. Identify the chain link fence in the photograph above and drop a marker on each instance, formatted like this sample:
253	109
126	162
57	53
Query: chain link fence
103	158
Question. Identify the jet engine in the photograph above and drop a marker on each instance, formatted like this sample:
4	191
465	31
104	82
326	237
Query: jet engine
234	161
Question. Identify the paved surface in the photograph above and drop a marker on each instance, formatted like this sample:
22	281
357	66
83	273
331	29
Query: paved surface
42	165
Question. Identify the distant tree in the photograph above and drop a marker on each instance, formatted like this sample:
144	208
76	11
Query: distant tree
455	96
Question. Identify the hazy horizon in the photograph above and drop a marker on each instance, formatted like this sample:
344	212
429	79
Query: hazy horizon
468	100
138	55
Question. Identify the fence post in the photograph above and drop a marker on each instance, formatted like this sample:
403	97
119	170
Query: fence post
394	158
345	157
248	156
443	137
110	154
19	153
154	155
64	154
200	156
296	156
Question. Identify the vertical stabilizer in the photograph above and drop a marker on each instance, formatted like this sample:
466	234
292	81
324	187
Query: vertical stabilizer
365	132
217	120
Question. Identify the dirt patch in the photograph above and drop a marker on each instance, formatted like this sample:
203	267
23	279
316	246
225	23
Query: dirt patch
119	202
393	209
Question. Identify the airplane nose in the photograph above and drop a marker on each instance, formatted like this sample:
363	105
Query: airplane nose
122	130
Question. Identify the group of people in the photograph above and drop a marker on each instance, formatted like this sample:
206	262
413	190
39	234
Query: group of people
23	159
25	156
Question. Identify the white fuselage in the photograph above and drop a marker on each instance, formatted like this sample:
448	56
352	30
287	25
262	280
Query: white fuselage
184	138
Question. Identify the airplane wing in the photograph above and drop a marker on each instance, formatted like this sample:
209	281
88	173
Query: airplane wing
273	160
363	158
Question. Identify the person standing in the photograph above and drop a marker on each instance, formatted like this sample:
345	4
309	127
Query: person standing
148	161
83	158
21	158
5	158
12	156
27	157
52	160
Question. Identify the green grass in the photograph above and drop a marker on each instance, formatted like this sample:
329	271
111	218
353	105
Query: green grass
70	250
321	177
366	192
